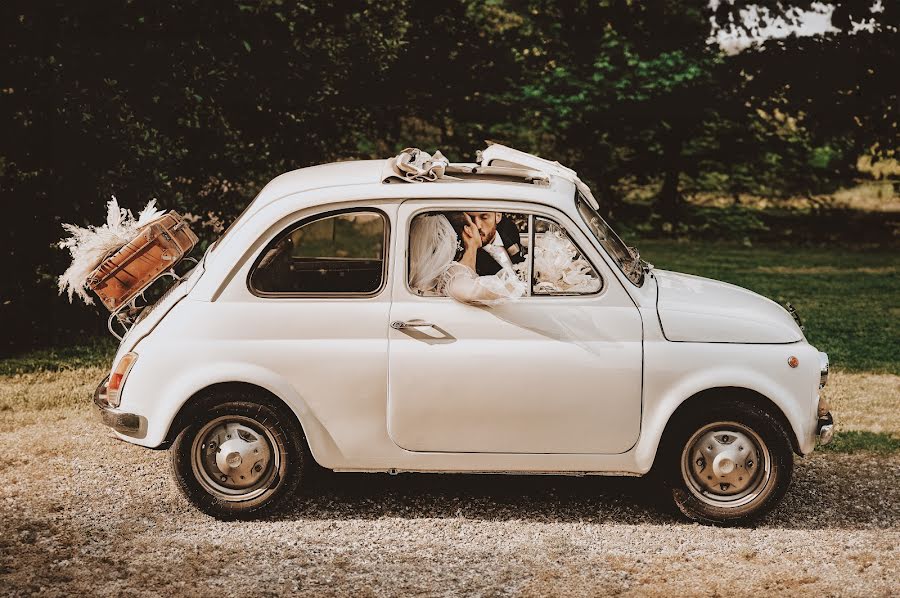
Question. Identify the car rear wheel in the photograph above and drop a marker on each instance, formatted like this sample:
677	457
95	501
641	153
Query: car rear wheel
238	459
730	464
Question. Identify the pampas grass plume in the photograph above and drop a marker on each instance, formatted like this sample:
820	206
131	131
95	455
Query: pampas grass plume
88	246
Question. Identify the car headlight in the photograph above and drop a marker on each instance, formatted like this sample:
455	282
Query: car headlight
823	369
117	379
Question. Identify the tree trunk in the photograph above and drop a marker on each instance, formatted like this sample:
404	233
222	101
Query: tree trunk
609	200
668	202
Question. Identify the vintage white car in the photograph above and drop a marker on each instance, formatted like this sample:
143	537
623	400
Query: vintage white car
298	337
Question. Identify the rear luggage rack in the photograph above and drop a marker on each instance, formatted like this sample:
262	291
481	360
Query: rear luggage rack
129	314
125	274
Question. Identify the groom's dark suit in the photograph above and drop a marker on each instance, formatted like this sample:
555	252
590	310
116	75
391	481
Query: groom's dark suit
485	265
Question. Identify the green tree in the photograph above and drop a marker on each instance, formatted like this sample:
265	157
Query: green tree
625	87
194	103
841	87
638	91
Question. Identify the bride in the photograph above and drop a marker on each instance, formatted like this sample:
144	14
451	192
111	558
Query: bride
434	270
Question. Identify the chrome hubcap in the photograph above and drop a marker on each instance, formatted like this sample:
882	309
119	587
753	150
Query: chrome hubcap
235	458
726	464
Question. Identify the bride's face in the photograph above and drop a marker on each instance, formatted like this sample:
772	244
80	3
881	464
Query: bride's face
487	224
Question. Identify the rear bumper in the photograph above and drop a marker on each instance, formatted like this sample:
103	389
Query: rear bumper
124	423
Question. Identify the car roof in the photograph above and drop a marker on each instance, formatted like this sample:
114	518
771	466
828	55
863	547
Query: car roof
369	173
336	174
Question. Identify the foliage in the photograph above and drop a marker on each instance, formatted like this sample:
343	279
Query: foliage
732	222
199	104
607	83
638	85
194	103
840	86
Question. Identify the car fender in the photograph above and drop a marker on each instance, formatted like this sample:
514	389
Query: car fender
170	397
663	401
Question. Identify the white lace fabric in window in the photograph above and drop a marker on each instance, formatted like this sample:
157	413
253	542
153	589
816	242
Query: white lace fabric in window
560	268
463	284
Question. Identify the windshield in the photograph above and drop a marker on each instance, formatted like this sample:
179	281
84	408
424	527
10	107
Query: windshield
627	259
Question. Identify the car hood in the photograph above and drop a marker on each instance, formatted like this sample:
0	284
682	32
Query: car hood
696	309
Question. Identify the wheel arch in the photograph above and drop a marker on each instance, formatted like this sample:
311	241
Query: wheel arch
215	392
209	396
695	403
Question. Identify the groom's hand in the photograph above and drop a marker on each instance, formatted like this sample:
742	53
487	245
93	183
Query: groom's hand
471	235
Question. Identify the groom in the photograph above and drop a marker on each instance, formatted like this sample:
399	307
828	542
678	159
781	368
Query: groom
493	230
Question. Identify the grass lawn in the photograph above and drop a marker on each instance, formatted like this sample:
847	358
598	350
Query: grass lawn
849	300
96	353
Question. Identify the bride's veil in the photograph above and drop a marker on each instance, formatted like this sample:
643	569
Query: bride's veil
432	247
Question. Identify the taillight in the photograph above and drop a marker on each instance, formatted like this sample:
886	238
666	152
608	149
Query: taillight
117	379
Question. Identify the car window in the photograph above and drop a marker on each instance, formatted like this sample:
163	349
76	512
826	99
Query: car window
557	267
340	253
626	259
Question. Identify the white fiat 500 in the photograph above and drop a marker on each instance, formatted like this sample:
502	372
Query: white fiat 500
299	336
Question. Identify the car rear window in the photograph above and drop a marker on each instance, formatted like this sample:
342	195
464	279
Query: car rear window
341	253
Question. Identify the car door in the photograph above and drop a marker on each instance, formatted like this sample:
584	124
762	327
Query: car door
540	374
312	308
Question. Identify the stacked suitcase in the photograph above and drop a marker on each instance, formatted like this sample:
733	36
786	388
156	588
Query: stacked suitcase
128	271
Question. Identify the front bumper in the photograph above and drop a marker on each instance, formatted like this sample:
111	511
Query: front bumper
825	428
825	423
128	424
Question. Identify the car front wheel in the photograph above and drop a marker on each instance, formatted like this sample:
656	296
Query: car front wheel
734	464
238	459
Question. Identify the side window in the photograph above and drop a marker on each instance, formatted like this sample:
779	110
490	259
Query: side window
436	240
555	267
341	253
559	267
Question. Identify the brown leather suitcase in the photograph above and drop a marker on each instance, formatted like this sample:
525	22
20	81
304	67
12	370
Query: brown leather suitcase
125	273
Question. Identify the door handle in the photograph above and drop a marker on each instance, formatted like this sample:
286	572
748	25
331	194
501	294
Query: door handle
400	325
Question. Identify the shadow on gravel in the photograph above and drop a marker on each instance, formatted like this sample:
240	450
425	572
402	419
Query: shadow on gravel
587	499
827	492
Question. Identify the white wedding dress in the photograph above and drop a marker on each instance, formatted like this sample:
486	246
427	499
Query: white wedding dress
433	271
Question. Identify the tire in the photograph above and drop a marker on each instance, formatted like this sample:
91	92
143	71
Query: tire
730	464
238	458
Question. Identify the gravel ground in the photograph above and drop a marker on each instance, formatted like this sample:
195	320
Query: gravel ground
86	514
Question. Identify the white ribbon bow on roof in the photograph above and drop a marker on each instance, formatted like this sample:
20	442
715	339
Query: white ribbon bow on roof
415	166
420	167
